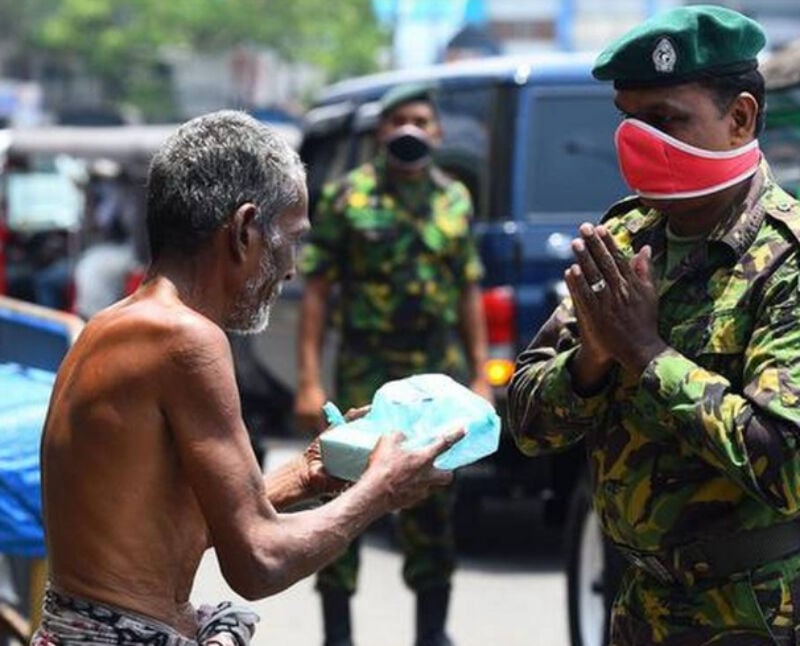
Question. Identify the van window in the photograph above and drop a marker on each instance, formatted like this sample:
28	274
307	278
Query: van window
366	146
327	157
465	116
572	165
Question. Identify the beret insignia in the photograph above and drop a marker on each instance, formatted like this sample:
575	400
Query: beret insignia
664	56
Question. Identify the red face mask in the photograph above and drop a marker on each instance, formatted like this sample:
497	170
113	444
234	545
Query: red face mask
658	166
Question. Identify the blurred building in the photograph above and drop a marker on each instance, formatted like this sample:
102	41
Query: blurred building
21	103
250	78
471	41
426	31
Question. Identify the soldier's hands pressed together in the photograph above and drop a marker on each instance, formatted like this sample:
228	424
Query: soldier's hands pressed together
616	305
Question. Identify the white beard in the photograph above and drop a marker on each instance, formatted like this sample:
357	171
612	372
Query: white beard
258	322
249	316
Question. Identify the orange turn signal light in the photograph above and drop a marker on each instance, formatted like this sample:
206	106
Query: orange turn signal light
498	371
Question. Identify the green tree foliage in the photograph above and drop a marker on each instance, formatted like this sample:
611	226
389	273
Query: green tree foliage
121	41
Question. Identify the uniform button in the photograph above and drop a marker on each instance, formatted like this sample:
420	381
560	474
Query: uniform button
784	206
701	568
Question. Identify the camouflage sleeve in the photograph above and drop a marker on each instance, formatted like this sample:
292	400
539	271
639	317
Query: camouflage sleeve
544	411
468	267
753	436
321	253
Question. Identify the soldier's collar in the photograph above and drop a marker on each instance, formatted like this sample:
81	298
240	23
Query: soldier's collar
439	177
734	234
739	229
384	184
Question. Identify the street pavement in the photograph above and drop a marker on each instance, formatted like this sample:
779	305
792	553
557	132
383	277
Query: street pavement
509	592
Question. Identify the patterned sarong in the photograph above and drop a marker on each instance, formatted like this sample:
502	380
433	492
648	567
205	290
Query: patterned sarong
72	621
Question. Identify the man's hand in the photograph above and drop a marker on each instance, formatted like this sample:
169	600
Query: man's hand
615	301
407	477
308	405
318	481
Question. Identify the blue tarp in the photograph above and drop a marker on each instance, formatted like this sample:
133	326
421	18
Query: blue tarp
24	396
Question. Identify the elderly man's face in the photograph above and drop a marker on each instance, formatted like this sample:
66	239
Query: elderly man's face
277	263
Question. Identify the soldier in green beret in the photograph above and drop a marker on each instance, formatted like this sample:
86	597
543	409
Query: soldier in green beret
394	235
676	355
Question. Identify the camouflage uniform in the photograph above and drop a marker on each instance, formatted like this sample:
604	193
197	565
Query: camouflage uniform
705	444
401	263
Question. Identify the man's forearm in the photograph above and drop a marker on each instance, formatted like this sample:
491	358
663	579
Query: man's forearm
301	543
545	412
313	310
287	485
473	328
747	437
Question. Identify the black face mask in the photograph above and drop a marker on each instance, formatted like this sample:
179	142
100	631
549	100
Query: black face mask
409	147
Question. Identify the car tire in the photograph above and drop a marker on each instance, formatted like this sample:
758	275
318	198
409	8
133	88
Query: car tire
594	569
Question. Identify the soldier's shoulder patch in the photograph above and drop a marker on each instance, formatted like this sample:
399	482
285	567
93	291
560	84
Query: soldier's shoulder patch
452	184
458	191
622	207
362	176
781	206
359	181
441	178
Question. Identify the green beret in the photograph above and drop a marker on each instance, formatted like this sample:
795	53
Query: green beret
405	93
682	45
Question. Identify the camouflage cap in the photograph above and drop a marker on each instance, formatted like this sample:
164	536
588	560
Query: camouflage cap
682	45
405	93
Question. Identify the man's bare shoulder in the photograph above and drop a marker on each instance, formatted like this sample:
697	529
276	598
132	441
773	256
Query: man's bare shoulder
146	348
178	331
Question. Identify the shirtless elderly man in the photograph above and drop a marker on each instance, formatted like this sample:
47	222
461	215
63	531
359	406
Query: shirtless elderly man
146	460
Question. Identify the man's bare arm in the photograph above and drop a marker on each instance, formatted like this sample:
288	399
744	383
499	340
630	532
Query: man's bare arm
310	393
304	477
472	327
260	551
288	484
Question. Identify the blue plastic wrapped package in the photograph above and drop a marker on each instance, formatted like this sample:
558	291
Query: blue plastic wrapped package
422	407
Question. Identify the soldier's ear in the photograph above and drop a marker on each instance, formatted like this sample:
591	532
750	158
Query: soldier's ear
744	115
241	231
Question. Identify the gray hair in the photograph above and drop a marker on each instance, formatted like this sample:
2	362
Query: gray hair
207	169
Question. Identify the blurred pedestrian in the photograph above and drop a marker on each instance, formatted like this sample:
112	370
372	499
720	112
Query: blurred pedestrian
394	236
108	255
676	356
